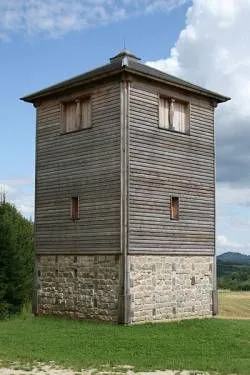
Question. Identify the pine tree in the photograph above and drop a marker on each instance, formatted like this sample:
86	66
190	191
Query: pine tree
16	259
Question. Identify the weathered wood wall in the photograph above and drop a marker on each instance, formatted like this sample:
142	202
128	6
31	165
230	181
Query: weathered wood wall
163	163
85	163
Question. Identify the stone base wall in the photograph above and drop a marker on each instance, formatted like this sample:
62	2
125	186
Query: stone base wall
160	287
170	287
81	287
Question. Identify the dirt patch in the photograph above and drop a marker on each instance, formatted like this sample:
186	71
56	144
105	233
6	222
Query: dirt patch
42	369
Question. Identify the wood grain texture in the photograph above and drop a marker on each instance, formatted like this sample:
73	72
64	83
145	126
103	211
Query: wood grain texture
125	178
163	164
84	163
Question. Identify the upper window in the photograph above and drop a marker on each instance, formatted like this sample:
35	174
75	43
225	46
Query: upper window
173	115
76	115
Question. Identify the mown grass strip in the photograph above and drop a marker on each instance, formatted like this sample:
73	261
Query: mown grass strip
210	344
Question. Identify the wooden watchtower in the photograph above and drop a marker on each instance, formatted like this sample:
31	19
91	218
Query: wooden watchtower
125	195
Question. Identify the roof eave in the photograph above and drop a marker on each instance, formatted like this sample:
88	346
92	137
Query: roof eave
69	84
210	94
105	72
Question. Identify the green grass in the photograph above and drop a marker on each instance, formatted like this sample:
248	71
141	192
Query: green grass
234	304
211	344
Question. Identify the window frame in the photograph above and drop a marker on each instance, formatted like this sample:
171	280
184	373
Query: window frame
63	105
178	100
75	211
172	199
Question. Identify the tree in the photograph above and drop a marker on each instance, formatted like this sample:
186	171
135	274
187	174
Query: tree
16	259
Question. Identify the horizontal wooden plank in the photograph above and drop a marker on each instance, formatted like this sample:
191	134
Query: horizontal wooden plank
79	251
162	163
86	163
171	252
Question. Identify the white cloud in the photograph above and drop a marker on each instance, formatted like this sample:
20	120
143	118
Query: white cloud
55	18
162	5
20	192
233	217
232	195
224	244
213	51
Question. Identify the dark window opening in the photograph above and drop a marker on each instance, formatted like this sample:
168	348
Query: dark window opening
75	208
174	208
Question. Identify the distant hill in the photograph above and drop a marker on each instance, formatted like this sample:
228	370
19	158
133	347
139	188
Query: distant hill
235	258
233	271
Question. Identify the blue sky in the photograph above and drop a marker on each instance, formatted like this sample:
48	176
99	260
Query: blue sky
46	41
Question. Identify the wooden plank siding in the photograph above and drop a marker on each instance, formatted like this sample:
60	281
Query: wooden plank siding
158	164
164	163
84	163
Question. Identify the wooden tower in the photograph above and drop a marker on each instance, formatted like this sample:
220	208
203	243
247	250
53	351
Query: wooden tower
125	195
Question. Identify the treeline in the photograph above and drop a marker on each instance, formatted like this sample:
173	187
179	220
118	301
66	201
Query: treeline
233	276
16	260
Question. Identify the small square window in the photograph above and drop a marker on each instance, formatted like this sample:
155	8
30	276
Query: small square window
75	208
173	115
174	208
76	115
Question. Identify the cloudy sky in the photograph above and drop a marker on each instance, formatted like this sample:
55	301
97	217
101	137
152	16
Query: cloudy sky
204	41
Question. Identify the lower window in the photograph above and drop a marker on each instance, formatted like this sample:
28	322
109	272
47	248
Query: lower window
174	208
75	214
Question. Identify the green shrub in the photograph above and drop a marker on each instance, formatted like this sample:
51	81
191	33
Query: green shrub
4	310
16	259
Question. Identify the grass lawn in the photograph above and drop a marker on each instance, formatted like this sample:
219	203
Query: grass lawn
211	344
234	304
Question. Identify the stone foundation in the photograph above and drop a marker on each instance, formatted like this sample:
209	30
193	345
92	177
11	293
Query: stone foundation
80	287
160	287
170	287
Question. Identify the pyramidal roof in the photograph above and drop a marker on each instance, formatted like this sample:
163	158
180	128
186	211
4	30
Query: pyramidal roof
123	61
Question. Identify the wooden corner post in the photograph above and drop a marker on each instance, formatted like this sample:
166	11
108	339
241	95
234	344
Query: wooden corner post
124	300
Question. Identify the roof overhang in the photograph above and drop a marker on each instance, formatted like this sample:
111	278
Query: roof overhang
182	85
123	62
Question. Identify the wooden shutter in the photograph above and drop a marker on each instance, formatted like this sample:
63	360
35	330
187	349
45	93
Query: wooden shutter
163	113
78	114
70	117
179	120
85	114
